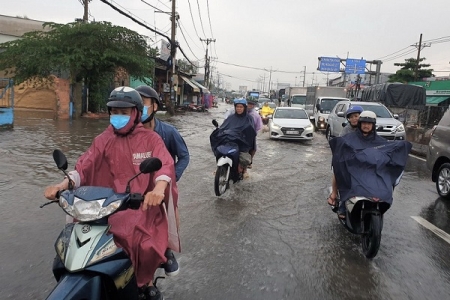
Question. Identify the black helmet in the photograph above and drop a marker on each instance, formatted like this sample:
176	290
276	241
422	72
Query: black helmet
252	100
148	92
125	96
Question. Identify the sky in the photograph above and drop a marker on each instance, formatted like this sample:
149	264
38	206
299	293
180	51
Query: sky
259	39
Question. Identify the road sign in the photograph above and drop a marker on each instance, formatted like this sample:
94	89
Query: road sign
355	66
329	64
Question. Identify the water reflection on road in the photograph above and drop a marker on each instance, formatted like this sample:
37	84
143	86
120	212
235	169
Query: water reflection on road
269	237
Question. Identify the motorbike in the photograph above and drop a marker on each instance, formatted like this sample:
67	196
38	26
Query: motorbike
231	164
265	119
364	217
88	264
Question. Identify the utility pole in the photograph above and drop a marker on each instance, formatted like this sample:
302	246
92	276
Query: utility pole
173	51
304	75
270	78
206	78
86	11
419	47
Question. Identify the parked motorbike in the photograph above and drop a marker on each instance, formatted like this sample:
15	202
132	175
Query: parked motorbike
88	264
364	216
231	164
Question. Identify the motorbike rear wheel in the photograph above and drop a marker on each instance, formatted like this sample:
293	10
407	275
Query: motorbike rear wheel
372	238
221	180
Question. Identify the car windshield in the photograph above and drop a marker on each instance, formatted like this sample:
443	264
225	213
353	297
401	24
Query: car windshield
298	99
290	114
328	104
379	110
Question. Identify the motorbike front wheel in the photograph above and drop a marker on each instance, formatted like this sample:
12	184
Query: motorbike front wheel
372	238
221	179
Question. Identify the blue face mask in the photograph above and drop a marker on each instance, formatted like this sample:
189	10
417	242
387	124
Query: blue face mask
145	114
119	121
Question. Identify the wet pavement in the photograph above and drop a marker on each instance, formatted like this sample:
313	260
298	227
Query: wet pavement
271	236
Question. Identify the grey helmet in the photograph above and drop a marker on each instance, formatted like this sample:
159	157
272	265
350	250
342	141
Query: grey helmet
125	96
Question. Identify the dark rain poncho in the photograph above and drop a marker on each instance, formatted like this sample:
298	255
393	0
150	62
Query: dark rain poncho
368	166
237	129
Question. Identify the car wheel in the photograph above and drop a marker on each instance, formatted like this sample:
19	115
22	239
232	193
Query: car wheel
328	133
443	181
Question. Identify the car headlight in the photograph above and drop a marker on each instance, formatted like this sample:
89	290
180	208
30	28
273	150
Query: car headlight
321	119
275	126
309	126
400	128
88	210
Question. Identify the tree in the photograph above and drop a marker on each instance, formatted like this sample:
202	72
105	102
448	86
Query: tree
406	72
89	52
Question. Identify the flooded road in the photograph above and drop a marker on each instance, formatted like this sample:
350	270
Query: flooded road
271	236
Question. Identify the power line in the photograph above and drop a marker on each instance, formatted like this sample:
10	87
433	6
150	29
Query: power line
193	22
187	33
209	17
201	21
393	53
182	33
261	69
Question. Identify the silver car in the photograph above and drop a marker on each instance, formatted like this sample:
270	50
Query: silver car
387	124
438	156
291	123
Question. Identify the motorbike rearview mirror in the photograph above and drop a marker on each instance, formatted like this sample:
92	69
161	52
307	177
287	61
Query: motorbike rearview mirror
60	159
215	123
149	165
344	124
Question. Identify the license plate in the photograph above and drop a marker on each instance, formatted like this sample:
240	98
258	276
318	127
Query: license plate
292	132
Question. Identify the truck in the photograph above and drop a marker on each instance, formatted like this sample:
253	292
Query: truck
296	96
320	100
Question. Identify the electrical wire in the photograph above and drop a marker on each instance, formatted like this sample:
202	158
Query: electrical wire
209	18
187	33
200	15
193	22
182	33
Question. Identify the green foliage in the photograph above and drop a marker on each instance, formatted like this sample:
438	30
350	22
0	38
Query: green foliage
406	72
92	52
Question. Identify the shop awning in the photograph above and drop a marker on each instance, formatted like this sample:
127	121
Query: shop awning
204	89
193	86
434	101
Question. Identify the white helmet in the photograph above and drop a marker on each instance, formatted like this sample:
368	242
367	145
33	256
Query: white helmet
368	116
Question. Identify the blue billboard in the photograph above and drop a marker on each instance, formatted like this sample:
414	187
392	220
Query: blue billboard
329	64
355	66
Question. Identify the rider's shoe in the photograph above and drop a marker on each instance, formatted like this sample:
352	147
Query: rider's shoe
171	267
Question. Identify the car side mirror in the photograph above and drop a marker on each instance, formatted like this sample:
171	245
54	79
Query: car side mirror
340	114
318	106
396	116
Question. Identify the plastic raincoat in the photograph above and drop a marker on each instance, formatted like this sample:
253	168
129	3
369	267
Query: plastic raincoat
111	161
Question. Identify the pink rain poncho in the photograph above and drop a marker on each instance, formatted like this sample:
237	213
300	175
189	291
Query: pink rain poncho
110	162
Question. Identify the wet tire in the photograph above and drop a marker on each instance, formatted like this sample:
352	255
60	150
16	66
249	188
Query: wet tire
443	181
371	240
221	180
328	133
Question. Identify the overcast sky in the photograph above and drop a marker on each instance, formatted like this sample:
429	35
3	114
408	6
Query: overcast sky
282	35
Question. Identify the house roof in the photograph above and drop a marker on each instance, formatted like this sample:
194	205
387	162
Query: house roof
16	26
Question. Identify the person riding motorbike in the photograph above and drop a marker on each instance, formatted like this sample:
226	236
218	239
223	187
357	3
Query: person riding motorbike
175	145
110	161
257	122
237	128
352	116
365	137
265	111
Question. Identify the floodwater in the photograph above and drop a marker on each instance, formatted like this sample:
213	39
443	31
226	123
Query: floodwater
271	236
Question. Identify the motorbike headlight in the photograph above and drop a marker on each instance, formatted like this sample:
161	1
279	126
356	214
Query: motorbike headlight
400	128
89	210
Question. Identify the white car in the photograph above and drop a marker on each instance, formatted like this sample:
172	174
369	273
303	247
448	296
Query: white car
290	123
